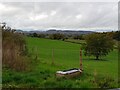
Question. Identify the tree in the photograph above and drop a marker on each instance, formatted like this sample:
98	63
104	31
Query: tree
57	36
80	37
35	35
98	45
117	35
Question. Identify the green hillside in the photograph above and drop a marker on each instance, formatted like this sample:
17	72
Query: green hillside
65	56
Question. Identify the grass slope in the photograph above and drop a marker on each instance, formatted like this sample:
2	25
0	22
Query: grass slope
66	56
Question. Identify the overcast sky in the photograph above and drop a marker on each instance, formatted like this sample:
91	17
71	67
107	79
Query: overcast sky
60	15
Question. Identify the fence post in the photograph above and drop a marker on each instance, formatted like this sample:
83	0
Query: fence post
81	68
36	56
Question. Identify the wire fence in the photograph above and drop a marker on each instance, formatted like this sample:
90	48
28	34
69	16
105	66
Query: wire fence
63	58
55	55
59	55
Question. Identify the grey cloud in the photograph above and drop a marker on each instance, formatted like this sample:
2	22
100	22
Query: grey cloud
66	15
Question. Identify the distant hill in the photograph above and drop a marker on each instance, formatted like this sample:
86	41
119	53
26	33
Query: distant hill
68	32
53	31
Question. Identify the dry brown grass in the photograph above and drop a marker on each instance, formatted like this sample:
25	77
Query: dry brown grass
14	51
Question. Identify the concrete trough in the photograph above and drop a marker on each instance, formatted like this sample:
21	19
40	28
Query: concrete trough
69	73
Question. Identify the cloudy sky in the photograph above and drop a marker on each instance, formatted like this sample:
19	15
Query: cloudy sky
60	15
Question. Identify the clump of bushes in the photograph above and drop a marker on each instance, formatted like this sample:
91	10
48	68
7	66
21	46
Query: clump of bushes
57	36
102	81
14	50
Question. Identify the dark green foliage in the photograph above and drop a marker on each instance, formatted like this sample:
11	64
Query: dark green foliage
79	37
105	82
57	36
114	34
41	35
35	35
98	45
117	35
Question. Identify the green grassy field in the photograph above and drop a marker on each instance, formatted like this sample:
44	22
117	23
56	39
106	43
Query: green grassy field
66	56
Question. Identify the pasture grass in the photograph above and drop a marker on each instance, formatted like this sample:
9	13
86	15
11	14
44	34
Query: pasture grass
97	73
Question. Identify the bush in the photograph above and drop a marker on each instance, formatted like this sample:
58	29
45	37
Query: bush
79	37
14	51
57	36
105	82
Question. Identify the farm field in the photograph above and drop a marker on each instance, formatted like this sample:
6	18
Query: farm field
65	56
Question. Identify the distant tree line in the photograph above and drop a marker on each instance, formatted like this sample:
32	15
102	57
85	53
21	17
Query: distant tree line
114	35
57	36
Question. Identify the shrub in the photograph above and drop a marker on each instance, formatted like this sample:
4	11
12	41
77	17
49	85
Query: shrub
14	51
105	82
57	36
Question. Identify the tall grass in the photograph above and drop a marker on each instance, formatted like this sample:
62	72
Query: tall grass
14	51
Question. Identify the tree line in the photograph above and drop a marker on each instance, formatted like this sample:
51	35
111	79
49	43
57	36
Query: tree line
58	36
